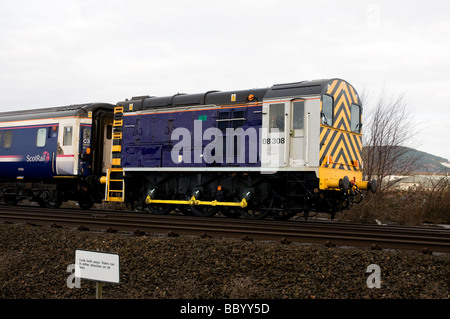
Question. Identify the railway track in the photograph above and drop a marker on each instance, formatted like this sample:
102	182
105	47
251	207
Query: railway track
428	239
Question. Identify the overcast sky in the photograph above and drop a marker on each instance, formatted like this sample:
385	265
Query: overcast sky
61	52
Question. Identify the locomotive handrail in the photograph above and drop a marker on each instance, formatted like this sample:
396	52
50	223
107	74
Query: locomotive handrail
193	201
233	119
53	163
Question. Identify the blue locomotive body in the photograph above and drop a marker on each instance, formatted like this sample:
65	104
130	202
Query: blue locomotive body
276	152
186	139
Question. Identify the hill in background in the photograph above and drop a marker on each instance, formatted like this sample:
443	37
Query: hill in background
426	163
422	162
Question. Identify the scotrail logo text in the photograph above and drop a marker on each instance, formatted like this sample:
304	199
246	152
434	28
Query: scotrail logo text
44	157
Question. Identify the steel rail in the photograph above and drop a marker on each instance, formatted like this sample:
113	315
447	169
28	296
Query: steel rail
427	239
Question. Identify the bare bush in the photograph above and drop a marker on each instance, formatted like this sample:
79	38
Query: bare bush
411	206
437	208
388	132
388	129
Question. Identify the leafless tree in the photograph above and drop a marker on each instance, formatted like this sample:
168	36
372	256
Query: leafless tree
388	131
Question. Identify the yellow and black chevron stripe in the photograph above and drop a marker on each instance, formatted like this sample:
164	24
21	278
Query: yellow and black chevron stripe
341	148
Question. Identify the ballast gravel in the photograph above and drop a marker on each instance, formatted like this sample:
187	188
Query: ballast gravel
34	262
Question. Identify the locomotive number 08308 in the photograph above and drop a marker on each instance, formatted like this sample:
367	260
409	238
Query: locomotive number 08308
273	140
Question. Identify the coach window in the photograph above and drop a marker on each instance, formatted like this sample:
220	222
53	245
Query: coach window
41	137
355	120
327	110
67	138
7	139
276	117
86	135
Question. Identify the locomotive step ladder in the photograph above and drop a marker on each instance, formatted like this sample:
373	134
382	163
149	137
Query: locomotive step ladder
115	186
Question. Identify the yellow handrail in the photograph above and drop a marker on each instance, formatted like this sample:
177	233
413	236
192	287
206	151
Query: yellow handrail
193	201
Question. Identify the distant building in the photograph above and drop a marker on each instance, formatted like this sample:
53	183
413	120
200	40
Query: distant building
424	181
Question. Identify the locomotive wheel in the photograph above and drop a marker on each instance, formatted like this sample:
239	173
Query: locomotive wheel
259	212
284	214
85	203
53	203
46	201
10	200
49	203
281	213
204	211
185	210
158	209
230	212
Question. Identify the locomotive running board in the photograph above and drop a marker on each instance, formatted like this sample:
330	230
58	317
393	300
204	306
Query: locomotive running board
193	201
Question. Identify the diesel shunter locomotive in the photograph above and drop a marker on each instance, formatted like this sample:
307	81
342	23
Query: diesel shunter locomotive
288	149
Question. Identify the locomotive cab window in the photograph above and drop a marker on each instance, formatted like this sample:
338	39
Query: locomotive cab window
276	117
355	120
41	137
297	115
67	138
327	110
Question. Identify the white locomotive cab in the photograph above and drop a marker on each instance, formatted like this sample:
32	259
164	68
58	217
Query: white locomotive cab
287	137
68	146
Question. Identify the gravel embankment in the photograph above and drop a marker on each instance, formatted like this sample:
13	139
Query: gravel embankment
34	261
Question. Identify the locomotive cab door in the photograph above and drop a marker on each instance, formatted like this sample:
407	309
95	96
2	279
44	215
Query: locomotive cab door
297	134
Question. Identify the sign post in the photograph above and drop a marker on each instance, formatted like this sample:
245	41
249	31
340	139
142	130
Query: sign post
101	267
99	290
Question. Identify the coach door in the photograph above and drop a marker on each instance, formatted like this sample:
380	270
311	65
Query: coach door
298	126
107	144
67	153
274	135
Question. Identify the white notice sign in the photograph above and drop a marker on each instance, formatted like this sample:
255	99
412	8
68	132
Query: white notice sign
97	266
